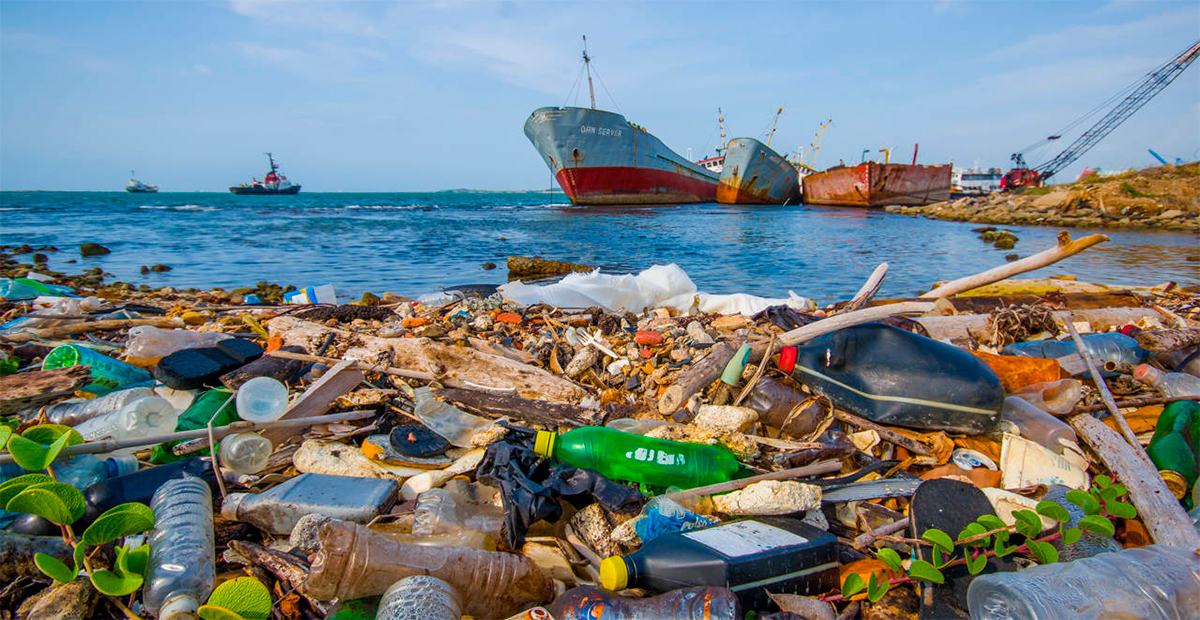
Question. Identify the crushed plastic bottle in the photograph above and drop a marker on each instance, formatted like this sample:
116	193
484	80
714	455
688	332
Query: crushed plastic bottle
1108	347
277	509
181	571
420	597
141	418
1054	397
646	460
589	603
147	344
1037	425
107	373
1172	384
1152	583
73	412
775	403
455	425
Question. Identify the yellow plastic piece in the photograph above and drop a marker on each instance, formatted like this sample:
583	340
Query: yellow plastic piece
614	574
543	445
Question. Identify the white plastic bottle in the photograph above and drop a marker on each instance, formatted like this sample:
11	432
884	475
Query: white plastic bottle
262	399
181	571
245	453
420	597
74	412
1152	583
141	418
1173	384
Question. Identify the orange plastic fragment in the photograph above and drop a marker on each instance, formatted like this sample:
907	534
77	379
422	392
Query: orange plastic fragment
648	338
509	317
274	343
1016	372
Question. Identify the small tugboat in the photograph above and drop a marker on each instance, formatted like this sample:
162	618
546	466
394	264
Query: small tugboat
273	183
135	186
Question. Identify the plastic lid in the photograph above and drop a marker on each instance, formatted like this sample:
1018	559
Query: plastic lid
120	465
179	606
1145	373
62	356
1176	483
229	506
733	370
544	444
787	359
614	573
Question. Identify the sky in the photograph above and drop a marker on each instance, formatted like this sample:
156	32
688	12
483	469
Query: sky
424	96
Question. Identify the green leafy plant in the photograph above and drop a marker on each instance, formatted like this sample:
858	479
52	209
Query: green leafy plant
244	598
43	495
988	536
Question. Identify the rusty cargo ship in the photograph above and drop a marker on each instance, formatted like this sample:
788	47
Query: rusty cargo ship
753	173
599	158
872	184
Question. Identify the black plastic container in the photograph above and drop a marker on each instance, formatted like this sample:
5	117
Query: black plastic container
896	377
191	369
748	556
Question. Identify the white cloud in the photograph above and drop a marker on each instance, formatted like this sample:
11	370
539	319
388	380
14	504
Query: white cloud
322	16
201	68
1084	39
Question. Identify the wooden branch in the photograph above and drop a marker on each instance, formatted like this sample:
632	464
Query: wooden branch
276	367
886	434
1133	402
1169	339
525	267
386	370
868	290
529	410
26	390
814	469
698	376
849	319
108	325
1066	247
1158	509
964	327
1105	394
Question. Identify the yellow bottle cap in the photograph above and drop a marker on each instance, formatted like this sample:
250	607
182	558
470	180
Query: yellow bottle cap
1176	483
543	445
614	573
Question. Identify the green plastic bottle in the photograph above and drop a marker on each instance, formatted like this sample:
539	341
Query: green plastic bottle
1175	447
646	460
197	416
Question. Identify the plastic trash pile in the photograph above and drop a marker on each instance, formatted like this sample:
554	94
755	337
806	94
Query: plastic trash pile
607	447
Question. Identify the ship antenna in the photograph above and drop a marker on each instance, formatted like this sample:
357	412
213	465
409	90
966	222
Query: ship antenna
272	160
721	122
773	123
587	62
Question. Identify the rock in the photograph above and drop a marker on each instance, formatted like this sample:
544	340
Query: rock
24	249
488	266
726	417
730	322
144	270
1005	243
392	298
40	258
1166	215
305	534
370	299
1012	257
93	249
160	268
522	266
697	333
581	362
65	601
770	497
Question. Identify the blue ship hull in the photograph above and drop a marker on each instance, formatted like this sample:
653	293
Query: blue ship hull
755	174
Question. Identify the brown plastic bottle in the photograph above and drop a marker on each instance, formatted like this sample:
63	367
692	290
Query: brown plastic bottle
774	401
355	561
588	603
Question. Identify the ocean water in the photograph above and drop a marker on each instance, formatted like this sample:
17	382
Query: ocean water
415	243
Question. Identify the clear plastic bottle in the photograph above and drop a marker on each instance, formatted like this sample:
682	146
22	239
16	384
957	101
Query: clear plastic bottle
420	597
277	509
589	603
1173	384
73	412
1152	583
1054	397
245	453
262	399
141	418
146	344
181	570
84	470
1035	424
1110	347
436	513
455	425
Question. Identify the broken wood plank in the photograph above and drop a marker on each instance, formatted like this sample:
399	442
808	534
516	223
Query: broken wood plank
61	331
1158	509
277	367
529	410
697	377
317	399
27	390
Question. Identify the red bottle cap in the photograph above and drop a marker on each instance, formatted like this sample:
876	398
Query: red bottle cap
787	359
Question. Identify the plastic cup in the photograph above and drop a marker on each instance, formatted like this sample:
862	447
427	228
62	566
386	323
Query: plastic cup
107	374
262	399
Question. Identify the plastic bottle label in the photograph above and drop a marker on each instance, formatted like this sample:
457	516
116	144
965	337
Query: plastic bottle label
745	538
650	455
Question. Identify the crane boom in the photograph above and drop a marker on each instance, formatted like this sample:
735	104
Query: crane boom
1142	93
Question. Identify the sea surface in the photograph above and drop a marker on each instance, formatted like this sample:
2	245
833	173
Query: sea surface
416	243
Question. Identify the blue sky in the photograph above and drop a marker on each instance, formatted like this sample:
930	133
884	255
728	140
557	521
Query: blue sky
382	96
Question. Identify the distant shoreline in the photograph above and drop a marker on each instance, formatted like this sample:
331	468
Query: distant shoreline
206	191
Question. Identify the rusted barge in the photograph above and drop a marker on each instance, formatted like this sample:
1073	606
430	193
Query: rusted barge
872	184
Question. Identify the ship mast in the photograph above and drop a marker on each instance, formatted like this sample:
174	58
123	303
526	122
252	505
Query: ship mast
272	160
587	63
721	123
773	123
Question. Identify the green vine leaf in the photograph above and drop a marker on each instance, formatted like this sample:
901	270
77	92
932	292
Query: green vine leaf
10	488
47	434
1121	510
939	539
937	559
1028	523
1120	489
1000	547
54	501
248	598
114	584
1072	535
54	568
1084	500
119	521
990	522
5	432
80	552
924	571
975	564
212	612
1107	494
134	561
1101	481
1043	551
876	589
974	529
1054	511
889	556
37	447
1097	525
852	585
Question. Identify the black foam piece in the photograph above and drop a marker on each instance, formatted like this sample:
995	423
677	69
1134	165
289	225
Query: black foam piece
191	369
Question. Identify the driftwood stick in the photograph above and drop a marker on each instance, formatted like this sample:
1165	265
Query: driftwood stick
1169	339
26	390
1105	395
886	434
108	325
529	410
1066	247
849	319
1133	402
814	469
868	290
862	541
398	372
696	378
1164	518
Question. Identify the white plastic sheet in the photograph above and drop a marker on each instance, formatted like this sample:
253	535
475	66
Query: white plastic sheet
659	286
